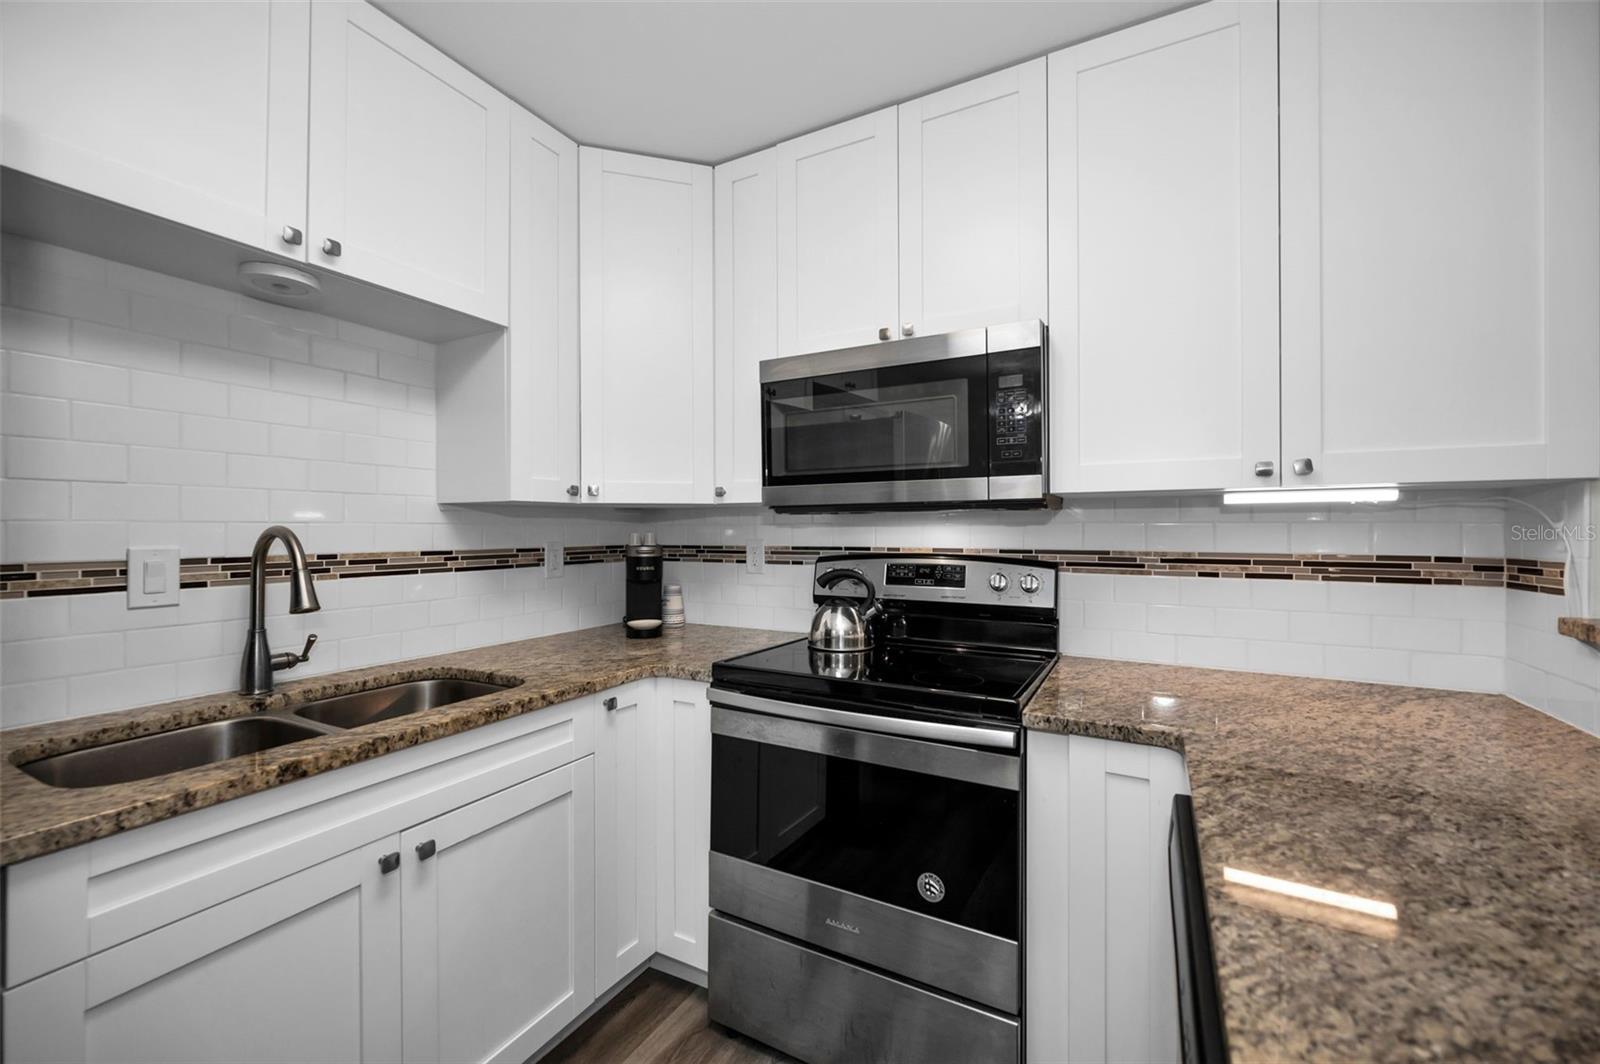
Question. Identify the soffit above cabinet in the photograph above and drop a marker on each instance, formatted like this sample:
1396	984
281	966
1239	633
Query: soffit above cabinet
709	82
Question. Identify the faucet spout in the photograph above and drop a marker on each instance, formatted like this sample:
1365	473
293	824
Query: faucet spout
258	664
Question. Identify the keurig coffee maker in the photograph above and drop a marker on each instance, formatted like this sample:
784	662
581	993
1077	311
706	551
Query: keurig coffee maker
642	615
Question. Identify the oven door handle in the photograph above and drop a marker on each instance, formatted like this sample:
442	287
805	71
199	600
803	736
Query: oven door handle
778	724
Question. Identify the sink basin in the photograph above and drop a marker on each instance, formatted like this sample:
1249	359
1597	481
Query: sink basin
157	755
396	700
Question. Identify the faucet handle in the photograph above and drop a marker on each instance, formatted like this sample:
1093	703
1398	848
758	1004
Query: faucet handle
289	659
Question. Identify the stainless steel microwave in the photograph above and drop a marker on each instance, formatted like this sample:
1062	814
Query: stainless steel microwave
958	419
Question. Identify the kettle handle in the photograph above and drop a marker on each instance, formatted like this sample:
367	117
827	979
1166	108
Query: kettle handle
835	576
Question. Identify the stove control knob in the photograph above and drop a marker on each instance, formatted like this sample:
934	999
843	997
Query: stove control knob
1029	583
999	582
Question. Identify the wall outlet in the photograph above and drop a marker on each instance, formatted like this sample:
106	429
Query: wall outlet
555	559
755	555
153	575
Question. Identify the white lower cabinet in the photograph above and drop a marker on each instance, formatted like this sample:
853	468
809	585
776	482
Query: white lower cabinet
683	821
305	968
498	920
1100	958
625	870
463	900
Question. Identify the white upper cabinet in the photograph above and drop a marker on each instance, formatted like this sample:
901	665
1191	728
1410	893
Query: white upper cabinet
747	315
838	246
1163	254
508	402
408	164
972	204
193	112
646	329
1440	241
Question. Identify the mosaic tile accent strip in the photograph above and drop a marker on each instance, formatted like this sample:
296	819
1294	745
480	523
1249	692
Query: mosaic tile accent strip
35	579
39	579
1521	574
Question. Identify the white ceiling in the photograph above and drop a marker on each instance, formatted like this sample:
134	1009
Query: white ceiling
709	81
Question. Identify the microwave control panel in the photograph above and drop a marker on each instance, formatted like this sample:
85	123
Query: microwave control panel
1016	412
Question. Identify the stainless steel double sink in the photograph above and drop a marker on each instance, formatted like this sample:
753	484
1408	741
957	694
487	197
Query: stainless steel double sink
205	744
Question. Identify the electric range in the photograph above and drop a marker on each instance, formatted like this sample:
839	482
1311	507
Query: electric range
867	821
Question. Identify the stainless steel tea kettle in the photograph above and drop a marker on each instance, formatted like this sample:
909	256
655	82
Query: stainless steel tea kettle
841	625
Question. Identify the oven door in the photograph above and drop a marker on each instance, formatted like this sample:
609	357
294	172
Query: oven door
903	422
901	853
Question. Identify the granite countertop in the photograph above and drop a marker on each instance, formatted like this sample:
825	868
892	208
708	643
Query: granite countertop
1478	818
37	819
1585	629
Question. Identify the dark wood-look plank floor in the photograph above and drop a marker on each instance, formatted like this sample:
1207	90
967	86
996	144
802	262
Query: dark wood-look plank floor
658	1019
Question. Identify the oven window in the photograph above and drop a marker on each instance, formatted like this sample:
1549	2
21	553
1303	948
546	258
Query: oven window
870	830
921	421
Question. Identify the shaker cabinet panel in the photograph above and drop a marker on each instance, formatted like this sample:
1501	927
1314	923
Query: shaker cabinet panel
408	164
683	858
193	112
626	761
1163	254
306	968
508	403
498	920
1101	973
972	204
1434	252
746	201
648	366
838	221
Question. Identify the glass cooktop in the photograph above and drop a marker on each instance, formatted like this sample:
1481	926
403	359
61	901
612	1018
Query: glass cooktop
909	676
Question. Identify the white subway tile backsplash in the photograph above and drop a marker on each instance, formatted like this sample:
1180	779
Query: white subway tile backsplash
170	465
38	459
180	320
104	423
35	500
66	378
226	367
257	404
164	391
269	339
307	380
34	415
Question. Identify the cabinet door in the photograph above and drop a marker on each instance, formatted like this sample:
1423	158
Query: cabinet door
193	112
646	325
683	833
838	219
409	164
747	315
1435	254
972	204
625	833
498	920
1163	254
306	968
1101	964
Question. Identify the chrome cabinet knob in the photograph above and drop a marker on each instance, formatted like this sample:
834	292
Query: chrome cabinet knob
907	329
594	491
1029	583
721	493
1266	469
332	248
883	333
572	489
1303	466
999	582
291	235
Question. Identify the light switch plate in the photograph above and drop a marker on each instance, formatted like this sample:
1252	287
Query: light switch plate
153	576
555	559
755	555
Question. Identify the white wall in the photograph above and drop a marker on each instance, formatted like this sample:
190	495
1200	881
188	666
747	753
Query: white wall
142	410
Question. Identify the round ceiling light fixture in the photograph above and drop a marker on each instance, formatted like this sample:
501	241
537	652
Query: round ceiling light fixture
273	280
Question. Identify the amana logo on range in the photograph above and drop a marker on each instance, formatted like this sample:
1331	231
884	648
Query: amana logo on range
930	886
842	926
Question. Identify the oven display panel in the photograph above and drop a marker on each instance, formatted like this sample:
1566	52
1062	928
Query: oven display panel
908	575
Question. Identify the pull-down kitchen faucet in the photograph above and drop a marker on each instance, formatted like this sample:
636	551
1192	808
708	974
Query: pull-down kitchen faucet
255	671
